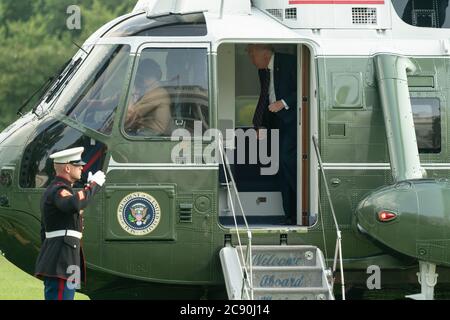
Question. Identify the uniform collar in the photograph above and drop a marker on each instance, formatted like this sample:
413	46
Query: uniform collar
61	179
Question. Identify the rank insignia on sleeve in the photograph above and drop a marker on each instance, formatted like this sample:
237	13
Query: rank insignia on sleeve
81	195
64	193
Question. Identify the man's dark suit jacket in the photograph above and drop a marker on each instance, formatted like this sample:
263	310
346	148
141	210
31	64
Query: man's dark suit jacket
285	85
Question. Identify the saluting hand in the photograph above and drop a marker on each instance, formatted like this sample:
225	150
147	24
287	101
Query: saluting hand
99	177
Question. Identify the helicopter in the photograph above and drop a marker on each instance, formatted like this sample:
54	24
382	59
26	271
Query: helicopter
372	151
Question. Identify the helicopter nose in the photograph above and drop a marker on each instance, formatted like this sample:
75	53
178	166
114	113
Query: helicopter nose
19	222
379	213
409	217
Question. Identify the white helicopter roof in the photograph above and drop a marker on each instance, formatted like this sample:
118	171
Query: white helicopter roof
226	19
333	25
160	7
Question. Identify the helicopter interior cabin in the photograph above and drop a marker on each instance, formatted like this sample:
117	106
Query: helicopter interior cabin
253	163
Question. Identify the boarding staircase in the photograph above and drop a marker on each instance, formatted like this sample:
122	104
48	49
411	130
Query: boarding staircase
276	272
283	272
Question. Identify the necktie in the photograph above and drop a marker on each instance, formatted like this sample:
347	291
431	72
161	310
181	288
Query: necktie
263	102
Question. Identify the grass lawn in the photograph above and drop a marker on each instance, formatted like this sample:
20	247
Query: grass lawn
18	285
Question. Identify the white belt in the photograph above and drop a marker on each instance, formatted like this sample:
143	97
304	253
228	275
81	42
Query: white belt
62	233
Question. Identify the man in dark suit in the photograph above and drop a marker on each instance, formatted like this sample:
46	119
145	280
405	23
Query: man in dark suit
277	109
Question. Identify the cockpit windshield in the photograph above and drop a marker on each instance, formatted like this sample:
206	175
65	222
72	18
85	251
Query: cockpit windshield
93	95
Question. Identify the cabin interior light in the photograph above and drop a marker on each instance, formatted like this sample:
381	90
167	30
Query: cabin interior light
386	216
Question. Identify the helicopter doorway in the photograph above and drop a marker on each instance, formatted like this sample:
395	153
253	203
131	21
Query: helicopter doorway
259	183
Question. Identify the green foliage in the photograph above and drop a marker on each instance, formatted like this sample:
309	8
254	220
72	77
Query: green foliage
36	42
13	10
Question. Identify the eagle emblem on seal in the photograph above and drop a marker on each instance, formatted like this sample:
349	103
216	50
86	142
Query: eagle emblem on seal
138	214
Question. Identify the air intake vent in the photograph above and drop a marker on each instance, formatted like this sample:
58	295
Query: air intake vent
336	129
185	212
364	15
290	14
277	13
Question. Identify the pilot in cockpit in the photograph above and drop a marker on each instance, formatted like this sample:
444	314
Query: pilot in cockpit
148	112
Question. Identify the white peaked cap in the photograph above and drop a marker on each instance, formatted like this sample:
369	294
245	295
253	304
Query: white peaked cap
72	155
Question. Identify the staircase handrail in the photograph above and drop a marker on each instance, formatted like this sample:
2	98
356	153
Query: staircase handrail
338	248
247	278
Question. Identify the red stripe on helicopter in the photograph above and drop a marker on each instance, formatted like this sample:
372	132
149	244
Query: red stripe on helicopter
336	1
96	156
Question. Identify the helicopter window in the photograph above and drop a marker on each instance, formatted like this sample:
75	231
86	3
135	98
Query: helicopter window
172	25
424	13
427	122
169	91
96	88
37	170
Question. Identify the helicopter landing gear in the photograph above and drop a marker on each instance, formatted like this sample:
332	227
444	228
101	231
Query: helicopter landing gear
427	277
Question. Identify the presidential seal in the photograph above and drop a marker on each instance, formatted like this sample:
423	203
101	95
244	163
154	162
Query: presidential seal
138	213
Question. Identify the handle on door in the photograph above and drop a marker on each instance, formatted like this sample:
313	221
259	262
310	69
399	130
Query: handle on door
335	182
261	199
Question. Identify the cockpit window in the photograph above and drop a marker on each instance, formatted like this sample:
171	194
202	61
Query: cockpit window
93	95
169	92
172	25
424	13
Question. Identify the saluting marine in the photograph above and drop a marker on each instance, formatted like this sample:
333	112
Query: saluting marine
60	262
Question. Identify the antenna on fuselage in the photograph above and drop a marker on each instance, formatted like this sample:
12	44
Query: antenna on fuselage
79	47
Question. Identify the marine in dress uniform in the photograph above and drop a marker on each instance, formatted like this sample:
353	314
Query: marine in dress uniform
60	262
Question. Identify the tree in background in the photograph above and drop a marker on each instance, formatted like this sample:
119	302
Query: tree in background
36	42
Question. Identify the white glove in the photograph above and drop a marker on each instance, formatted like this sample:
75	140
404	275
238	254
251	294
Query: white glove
99	178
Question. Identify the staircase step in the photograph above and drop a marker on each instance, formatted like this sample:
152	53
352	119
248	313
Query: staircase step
283	255
287	277
287	269
278	272
291	294
280	247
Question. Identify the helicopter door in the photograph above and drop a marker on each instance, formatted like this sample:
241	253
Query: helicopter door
261	187
307	219
157	179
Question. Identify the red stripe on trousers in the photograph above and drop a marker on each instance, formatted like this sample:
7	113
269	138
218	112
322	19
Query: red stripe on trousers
61	284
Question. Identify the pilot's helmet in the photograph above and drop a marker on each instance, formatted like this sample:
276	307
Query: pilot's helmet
72	156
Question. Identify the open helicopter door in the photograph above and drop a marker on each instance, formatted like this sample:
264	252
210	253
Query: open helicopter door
238	93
